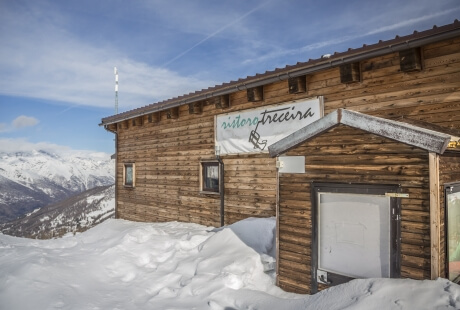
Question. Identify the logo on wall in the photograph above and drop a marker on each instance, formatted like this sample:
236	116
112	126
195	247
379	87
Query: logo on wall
252	131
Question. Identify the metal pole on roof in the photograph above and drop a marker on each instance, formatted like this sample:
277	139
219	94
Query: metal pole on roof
115	71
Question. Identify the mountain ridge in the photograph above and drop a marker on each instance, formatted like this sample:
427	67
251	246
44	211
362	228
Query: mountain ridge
71	215
36	178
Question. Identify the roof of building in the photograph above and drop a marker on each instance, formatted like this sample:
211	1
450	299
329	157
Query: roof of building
426	139
416	39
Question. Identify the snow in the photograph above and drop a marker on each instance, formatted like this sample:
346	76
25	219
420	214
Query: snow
127	265
34	211
63	168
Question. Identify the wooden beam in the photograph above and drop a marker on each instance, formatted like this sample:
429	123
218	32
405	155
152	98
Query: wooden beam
223	102
172	113
435	216
277	238
410	60
195	107
136	121
154	117
255	94
350	73
298	84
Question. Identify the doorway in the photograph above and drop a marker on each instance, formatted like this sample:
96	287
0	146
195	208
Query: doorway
452	203
356	232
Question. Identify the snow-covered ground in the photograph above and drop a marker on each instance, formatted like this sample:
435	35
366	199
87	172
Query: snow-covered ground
127	265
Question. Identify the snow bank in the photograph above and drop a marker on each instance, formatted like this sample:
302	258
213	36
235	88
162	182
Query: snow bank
126	265
257	233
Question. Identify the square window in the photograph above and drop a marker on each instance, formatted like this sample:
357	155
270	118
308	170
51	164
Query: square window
129	175
210	176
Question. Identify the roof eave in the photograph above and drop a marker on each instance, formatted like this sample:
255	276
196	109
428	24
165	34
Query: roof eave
429	140
412	41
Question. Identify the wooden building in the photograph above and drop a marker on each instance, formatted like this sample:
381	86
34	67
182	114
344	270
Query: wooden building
355	153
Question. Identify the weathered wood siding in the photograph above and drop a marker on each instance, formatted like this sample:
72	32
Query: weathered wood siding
431	95
349	155
167	158
449	171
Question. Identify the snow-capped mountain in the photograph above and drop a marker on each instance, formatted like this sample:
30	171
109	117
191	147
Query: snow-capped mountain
74	214
36	178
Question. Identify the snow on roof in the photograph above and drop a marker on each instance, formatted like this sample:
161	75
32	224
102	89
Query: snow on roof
430	140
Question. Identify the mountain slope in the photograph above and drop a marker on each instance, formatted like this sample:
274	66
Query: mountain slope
37	178
75	214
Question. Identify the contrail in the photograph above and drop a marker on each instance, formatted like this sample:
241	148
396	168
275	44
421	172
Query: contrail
410	21
334	41
216	32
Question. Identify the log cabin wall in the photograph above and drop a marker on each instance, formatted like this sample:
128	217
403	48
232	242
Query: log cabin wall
449	171
431	95
346	155
167	156
167	153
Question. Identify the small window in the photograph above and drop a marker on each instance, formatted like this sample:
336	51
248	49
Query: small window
210	176
129	175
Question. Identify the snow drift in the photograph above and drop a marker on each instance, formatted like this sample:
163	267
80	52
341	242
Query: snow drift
127	265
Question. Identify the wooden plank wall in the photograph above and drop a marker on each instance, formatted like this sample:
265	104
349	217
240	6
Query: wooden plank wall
449	171
431	95
349	155
167	158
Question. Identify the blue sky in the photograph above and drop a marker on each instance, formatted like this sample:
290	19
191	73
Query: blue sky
57	57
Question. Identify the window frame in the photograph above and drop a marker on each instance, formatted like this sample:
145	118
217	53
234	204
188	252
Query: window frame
203	188
133	183
449	188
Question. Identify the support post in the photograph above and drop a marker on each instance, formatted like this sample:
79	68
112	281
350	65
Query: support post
277	238
435	218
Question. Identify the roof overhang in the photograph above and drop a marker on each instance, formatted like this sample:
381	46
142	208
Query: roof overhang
429	140
416	39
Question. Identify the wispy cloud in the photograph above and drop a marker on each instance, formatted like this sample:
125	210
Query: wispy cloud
45	55
235	21
278	53
19	123
408	22
24	121
44	60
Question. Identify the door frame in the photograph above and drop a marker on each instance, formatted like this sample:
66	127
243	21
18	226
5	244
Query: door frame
356	188
449	188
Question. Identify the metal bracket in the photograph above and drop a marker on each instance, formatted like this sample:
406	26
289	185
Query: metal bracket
397	195
279	163
321	277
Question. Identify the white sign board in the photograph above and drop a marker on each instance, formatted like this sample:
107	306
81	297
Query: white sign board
253	131
291	164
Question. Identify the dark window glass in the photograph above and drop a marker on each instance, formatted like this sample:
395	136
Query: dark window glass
129	175
210	179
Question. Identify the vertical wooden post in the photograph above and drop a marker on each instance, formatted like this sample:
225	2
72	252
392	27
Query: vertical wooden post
435	218
277	238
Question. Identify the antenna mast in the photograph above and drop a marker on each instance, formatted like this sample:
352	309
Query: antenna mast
115	71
